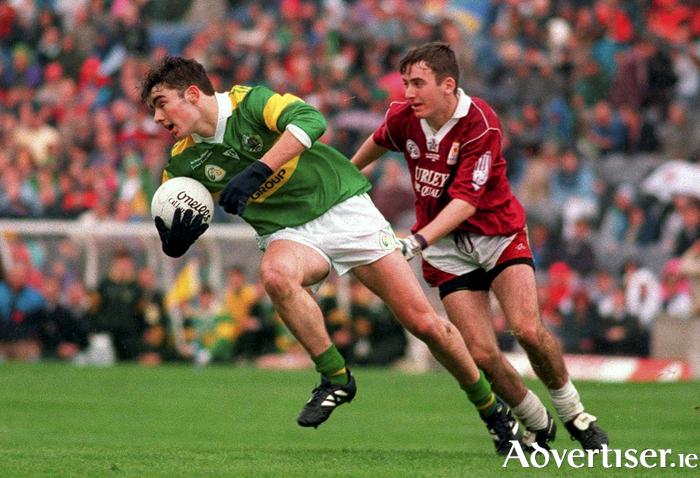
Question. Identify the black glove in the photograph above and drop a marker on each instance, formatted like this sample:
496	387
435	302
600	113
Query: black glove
181	235
234	196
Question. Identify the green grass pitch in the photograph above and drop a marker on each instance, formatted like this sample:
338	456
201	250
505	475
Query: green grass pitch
176	421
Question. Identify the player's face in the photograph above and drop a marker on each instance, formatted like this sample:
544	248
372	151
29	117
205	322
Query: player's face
430	100
174	112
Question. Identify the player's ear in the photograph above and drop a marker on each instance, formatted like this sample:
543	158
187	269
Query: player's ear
449	85
192	94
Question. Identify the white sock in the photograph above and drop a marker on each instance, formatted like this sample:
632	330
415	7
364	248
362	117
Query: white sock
531	412
566	401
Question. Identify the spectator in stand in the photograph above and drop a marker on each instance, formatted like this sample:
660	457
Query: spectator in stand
642	300
607	130
675	292
574	190
615	224
640	133
117	309
578	323
239	298
578	251
690	268
538	174
212	327
661	78
680	138
20	315
64	324
259	333
158	345
573	179
379	338
602	287
618	332
690	227
544	247
393	196
625	223
17	199
630	81
558	289
592	85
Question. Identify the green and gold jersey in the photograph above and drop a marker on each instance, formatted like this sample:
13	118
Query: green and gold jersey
250	122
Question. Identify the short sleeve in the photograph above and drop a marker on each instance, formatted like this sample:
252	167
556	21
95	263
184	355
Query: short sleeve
387	135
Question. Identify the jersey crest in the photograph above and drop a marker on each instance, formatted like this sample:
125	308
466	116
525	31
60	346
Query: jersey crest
454	153
252	143
412	148
214	173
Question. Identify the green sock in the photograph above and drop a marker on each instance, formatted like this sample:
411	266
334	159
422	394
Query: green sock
480	394
331	364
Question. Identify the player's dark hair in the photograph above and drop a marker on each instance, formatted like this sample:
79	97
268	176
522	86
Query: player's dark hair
438	56
178	74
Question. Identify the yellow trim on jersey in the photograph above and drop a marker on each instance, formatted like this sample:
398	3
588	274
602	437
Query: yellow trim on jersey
274	107
237	94
166	176
275	181
182	145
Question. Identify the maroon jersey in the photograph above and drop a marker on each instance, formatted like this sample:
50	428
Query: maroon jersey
461	161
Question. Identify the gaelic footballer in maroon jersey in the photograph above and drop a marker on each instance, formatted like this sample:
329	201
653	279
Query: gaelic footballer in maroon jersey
463	160
470	234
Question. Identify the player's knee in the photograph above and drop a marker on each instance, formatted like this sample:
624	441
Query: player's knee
531	336
276	278
429	327
487	359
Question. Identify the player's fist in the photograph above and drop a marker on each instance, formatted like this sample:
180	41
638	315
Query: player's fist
234	196
410	247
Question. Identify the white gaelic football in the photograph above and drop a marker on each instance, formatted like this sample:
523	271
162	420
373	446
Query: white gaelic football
184	193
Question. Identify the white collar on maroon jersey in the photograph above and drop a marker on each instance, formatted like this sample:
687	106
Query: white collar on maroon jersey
460	112
225	110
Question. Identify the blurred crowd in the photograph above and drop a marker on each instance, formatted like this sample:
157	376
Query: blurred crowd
599	102
128	317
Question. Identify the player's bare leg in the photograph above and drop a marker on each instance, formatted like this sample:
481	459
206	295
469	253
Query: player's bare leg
471	314
516	291
393	281
287	267
469	311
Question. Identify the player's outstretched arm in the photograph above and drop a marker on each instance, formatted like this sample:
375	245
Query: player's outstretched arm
185	230
455	213
368	153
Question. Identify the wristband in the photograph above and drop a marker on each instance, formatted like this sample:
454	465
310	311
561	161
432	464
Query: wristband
421	240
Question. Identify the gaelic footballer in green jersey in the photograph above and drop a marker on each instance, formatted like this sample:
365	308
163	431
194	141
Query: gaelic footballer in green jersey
308	204
249	123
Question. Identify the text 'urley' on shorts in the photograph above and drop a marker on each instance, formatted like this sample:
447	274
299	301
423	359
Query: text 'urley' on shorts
350	234
466	261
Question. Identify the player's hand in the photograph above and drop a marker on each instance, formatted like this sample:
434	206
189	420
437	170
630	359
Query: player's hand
182	234
234	196
410	247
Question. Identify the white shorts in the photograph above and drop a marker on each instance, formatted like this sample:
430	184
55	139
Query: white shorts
350	234
483	252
